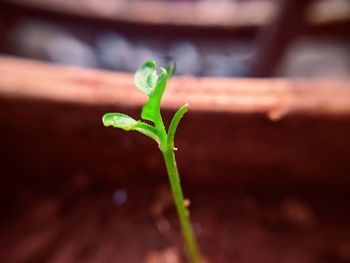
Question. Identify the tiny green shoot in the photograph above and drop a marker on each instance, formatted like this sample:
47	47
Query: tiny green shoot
153	85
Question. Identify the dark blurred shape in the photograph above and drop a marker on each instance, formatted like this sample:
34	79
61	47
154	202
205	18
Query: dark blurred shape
120	197
289	21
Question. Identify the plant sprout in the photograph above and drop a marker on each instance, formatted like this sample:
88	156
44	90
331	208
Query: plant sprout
153	85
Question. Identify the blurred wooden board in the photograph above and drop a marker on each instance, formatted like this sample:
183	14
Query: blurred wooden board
275	97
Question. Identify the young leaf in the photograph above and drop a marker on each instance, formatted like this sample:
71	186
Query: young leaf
175	122
147	80
146	77
151	110
122	121
119	120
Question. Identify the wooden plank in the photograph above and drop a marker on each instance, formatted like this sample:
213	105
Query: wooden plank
22	78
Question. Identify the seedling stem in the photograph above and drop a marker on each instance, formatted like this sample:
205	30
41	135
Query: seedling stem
147	80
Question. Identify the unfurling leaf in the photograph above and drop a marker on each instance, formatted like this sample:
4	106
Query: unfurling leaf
146	77
147	80
151	110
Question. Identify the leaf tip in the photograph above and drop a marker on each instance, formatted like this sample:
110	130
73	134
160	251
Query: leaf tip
106	120
185	107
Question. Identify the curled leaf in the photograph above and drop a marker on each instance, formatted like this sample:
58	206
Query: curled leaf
119	120
125	122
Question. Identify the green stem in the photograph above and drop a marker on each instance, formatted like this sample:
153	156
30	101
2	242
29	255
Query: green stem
187	230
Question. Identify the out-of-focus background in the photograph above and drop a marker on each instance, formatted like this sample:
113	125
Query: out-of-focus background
205	38
263	153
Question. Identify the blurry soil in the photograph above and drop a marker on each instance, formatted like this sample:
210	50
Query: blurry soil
93	219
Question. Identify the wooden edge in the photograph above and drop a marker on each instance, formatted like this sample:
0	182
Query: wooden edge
22	78
227	13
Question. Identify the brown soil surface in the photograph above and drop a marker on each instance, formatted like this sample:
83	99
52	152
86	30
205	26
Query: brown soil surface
92	219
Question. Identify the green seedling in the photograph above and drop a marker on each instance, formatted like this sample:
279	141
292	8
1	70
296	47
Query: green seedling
153	85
